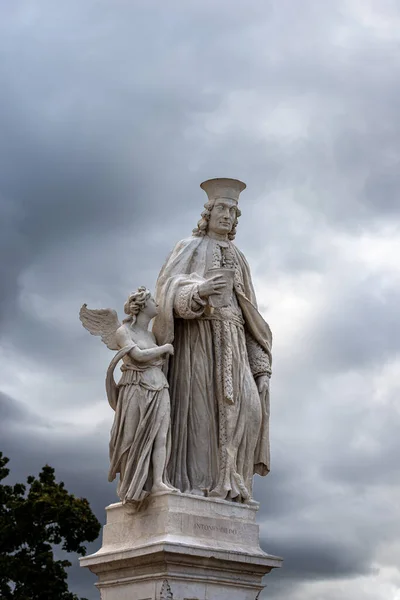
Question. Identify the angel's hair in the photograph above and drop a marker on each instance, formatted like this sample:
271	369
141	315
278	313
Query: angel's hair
135	303
202	225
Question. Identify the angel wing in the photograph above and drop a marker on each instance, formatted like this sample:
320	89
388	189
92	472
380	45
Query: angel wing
103	322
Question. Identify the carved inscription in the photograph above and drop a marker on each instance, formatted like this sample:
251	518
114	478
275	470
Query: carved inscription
217	528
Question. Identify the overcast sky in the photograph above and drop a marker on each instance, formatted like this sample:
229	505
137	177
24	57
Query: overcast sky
111	114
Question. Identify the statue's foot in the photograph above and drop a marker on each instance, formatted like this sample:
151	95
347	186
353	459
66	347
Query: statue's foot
220	492
163	487
251	502
197	492
217	492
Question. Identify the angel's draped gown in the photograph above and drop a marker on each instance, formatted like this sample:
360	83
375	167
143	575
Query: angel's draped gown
143	404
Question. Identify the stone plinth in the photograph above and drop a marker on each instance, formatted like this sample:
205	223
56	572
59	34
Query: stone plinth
181	547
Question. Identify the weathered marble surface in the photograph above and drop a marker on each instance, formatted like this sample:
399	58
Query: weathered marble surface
219	374
140	437
191	547
203	543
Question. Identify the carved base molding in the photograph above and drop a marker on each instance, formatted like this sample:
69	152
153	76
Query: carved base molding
181	547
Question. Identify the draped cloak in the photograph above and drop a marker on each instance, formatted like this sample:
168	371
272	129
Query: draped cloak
141	404
219	421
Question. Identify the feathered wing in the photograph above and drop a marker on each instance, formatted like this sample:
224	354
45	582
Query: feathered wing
103	322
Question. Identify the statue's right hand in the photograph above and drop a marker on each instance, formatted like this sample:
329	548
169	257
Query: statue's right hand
212	286
168	349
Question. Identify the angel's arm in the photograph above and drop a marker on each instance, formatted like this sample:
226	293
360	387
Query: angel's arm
139	355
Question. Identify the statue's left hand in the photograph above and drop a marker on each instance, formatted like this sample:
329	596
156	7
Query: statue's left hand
262	382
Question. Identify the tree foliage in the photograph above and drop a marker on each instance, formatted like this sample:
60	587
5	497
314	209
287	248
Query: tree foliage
34	519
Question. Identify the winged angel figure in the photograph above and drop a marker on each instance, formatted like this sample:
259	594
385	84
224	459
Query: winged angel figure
140	435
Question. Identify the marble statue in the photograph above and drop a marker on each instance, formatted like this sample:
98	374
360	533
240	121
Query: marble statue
219	373
191	423
140	437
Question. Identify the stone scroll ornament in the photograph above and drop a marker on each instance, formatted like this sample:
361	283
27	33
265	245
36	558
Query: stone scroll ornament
166	593
219	374
140	441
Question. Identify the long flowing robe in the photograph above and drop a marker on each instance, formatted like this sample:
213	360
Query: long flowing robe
219	422
141	404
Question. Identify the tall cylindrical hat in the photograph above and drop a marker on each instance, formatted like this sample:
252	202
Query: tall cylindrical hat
223	187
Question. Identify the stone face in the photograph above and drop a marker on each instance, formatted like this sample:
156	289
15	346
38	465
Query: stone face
205	549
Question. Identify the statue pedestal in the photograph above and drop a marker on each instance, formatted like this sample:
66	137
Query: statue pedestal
181	547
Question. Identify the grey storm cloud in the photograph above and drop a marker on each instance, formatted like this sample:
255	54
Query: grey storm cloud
111	114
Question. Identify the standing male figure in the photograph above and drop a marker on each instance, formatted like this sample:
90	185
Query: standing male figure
219	374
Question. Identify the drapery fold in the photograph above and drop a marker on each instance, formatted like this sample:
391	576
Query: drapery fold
219	422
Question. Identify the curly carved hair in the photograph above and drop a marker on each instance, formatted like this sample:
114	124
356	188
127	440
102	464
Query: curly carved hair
202	225
135	303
